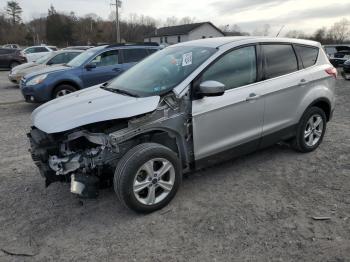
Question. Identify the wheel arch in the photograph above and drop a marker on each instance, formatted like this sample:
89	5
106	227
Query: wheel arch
65	82
166	137
324	104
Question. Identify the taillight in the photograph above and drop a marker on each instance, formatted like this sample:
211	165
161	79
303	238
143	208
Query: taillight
332	71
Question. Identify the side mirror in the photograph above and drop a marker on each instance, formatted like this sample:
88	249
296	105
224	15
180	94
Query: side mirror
211	88
49	63
90	66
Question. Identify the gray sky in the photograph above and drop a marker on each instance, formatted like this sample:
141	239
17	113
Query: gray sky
306	15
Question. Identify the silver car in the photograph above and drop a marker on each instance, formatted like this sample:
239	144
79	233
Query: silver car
183	108
52	58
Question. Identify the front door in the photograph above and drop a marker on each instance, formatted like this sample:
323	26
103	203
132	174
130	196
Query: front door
235	118
107	66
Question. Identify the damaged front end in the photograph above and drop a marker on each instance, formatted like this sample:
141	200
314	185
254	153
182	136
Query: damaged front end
80	157
87	156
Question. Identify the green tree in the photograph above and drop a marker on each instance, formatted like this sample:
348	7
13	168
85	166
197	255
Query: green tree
14	11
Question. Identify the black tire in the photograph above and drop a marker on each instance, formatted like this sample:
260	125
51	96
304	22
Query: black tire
128	167
63	90
299	143
14	64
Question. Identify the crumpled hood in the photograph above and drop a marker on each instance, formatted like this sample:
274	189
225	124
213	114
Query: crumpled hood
90	105
48	69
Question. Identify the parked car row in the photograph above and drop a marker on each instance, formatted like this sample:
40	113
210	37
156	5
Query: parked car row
52	58
94	66
10	58
181	109
338	54
31	54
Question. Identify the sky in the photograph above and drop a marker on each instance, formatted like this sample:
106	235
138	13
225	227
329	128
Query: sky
305	15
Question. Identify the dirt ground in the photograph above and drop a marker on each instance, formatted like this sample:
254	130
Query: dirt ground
255	208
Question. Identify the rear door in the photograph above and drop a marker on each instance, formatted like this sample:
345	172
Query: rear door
283	87
107	67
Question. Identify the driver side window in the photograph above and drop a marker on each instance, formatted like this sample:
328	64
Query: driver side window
235	69
108	58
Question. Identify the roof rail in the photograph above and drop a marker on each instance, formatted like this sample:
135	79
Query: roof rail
134	44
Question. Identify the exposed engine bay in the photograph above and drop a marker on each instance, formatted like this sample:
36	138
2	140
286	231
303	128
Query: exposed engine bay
87	156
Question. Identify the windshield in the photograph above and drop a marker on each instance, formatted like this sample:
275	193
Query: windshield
162	71
44	58
80	59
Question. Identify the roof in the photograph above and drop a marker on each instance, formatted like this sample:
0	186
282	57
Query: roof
181	29
221	41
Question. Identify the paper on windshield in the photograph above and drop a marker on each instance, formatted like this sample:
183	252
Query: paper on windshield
187	59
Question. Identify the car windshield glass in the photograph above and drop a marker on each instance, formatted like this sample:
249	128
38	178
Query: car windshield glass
162	71
44	59
80	59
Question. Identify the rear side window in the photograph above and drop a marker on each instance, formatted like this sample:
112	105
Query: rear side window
72	55
279	60
307	54
151	51
40	49
60	59
134	55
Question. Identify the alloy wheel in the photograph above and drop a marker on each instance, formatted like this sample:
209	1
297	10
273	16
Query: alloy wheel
63	92
154	181
314	130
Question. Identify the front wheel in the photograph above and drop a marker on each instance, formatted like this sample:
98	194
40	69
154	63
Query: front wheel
147	177
63	90
311	130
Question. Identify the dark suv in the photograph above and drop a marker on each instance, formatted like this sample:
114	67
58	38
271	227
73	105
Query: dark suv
9	58
92	67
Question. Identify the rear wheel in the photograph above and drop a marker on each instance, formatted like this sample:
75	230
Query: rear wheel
63	90
311	130
147	177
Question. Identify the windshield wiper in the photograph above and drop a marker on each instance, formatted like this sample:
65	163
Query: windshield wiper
118	91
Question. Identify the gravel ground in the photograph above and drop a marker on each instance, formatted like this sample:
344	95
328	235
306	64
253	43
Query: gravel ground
255	208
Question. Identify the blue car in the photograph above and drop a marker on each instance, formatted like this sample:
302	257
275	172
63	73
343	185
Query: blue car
92	67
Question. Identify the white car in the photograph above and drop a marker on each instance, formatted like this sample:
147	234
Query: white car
33	53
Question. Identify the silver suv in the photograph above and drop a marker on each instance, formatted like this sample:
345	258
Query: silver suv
181	109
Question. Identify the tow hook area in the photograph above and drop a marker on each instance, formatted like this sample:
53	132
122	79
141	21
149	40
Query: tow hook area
85	186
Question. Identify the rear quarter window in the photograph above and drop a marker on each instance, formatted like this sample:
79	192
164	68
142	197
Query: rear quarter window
279	59
307	54
134	55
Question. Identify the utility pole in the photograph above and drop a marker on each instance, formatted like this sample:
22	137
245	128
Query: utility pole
118	4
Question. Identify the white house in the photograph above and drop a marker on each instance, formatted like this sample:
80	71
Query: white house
182	33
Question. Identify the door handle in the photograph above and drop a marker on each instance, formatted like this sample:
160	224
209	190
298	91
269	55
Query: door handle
252	97
303	82
116	69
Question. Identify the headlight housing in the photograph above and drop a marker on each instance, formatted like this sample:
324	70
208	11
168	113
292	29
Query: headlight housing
36	80
347	62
